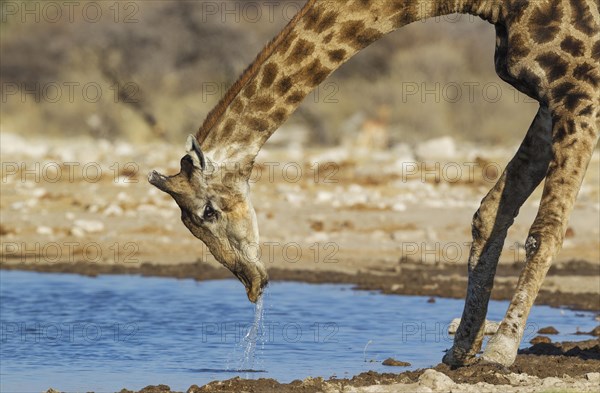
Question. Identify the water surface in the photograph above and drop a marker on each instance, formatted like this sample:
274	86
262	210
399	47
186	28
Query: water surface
103	334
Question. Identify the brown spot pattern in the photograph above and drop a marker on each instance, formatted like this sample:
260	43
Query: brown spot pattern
586	111
256	124
269	75
237	105
321	24
582	17
315	73
562	90
355	33
287	42
295	98
596	51
284	85
228	127
336	55
301	50
518	48
262	104
573	46
312	18
573	100
554	65
365	4
403	12
279	115
350	30
250	89
530	79
588	73
545	22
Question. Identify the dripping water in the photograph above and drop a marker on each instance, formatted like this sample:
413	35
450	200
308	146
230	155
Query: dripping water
250	361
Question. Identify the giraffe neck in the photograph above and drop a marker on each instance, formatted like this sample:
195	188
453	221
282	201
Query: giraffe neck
321	37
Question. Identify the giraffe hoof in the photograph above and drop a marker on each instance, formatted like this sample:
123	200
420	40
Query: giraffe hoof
451	359
495	353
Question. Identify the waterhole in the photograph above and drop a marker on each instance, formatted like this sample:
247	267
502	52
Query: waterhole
101	334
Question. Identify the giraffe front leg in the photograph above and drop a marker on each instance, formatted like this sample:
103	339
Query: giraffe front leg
490	225
573	144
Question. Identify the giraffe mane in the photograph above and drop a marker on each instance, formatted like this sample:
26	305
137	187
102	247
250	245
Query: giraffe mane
215	114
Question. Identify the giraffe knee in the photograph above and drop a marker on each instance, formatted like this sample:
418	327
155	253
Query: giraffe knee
542	243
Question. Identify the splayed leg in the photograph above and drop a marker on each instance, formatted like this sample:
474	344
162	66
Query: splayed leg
490	225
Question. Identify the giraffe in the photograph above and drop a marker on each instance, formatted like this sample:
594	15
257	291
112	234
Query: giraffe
547	49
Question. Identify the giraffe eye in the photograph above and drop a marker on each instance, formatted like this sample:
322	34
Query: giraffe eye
209	212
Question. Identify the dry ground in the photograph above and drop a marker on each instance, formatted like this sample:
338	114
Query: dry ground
396	220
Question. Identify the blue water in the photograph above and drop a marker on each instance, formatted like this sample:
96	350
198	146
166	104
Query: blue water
102	334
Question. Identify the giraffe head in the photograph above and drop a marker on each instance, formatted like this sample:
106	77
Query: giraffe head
215	206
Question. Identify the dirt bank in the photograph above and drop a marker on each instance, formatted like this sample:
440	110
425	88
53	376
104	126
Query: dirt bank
409	279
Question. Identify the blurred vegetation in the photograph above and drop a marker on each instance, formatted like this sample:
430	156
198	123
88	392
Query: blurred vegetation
160	66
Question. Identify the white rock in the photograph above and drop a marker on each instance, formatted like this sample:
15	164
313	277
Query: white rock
12	144
70	216
435	380
398	207
124	197
20	205
594	377
294	199
113	210
43	230
38	192
124	149
551	382
439	148
77	232
317	237
89	226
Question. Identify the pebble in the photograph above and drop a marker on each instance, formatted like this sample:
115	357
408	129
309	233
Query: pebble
77	232
394	362
439	148
38	192
43	230
548	330
89	226
540	340
398	207
113	210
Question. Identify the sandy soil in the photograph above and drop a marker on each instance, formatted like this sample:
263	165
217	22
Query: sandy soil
395	220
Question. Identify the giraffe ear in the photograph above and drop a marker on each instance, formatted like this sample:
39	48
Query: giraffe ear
193	149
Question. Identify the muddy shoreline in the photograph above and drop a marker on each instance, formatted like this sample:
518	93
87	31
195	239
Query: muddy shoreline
567	360
436	281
